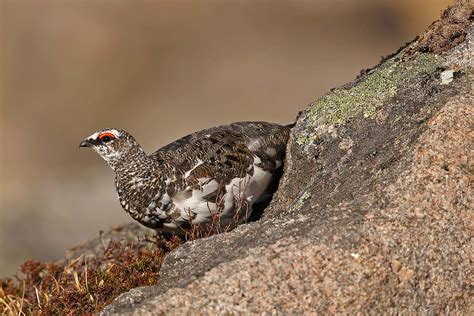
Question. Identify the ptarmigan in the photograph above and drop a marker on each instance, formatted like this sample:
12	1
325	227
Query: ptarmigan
208	177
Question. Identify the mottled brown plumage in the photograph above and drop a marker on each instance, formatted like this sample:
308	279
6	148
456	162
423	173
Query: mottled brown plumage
220	171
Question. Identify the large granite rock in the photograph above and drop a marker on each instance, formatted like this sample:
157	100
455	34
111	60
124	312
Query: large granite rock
374	211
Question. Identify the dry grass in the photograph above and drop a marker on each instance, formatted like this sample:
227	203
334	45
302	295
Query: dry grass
84	286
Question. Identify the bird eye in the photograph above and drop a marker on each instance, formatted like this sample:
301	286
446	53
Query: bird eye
106	137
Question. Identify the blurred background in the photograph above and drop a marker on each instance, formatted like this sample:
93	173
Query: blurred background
159	69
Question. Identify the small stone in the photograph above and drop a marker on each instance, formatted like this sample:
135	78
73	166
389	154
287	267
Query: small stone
396	265
369	215
447	76
419	212
346	144
406	274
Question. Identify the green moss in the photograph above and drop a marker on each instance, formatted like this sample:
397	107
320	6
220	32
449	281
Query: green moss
367	96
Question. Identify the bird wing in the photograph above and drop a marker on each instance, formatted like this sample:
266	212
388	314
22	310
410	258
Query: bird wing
221	168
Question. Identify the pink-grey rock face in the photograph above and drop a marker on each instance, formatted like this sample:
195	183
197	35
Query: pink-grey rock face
211	177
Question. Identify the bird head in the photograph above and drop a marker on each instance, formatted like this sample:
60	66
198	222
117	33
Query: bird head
111	144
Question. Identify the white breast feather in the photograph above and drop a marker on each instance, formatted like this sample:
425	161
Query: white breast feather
248	188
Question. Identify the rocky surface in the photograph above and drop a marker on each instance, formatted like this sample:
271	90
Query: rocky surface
374	211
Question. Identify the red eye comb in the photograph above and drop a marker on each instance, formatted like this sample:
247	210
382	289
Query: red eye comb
106	134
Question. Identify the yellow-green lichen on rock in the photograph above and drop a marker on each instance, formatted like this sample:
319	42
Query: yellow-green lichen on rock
366	97
299	204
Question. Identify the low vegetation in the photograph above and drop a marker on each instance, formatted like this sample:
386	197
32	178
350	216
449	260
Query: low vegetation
84	285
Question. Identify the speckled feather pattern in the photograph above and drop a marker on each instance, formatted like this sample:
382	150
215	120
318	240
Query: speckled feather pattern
220	171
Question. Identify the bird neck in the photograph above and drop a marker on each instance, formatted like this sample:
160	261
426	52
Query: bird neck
136	172
134	160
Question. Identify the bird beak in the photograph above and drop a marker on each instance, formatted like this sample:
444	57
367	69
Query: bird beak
85	143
